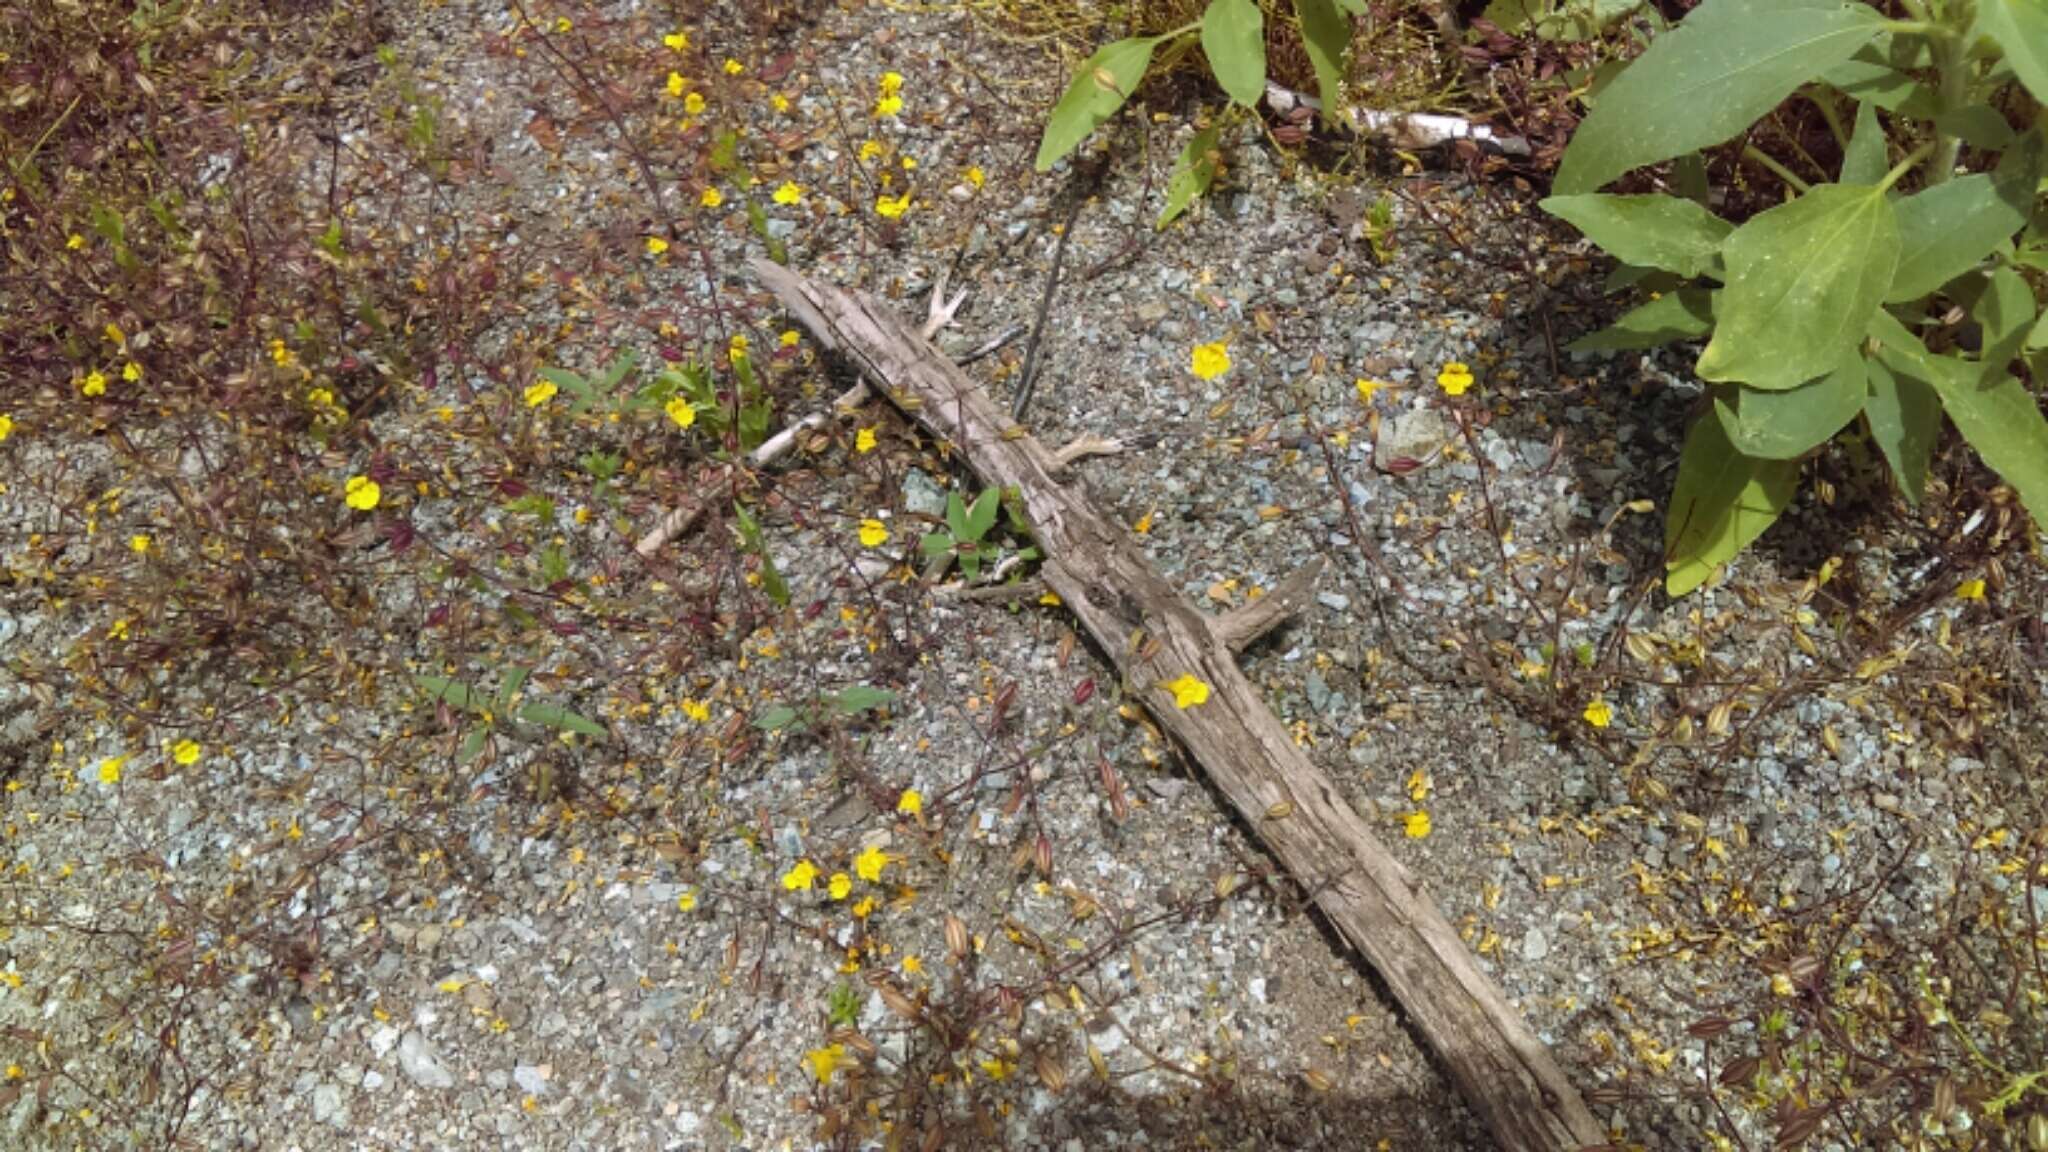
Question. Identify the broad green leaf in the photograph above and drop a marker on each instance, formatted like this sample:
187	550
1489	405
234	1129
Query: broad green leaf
1686	314
1723	68
1654	231
2038	337
2020	28
1326	33
562	720
455	692
1786	425
861	698
1689	179
508	688
775	718
2004	314
1104	82
1512	16
1722	501
1866	160
1803	280
617	369
1948	229
1576	21
1978	125
1880	73
473	743
935	543
2003	422
772	582
1903	410
1192	173
982	516
1234	40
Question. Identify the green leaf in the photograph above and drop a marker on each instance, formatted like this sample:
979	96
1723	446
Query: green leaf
982	516
1722	501
1803	280
1786	425
508	687
1946	230
1978	125
1103	83
936	543
1866	160
1726	66
455	692
1686	314
617	369
1193	172
861	698
1234	40
2003	422
473	743
776	718
2004	314
1326	33
562	720
2020	28
1651	231
1879	73
1904	411
956	515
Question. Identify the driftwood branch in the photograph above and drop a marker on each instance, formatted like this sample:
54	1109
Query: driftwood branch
1239	627
1139	620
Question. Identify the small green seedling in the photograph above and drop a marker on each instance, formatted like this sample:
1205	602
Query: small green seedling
843	704
966	526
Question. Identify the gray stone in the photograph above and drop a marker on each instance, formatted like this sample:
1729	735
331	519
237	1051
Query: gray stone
327	1106
1535	945
531	1078
1411	437
417	1060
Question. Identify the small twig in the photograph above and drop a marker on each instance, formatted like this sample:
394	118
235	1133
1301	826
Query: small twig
1029	377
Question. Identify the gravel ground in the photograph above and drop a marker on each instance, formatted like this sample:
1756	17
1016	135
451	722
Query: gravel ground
597	945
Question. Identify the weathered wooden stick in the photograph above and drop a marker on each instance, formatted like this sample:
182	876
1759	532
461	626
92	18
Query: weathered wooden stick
1239	627
1505	1074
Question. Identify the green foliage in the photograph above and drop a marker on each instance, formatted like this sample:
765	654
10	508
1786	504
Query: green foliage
1232	35
1824	307
966	525
843	704
493	711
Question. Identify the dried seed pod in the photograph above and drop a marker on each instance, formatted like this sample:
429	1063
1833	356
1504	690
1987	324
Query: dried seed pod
1051	1072
959	941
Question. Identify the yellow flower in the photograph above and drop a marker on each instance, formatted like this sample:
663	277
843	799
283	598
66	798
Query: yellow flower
6	426
139	543
74	241
1415	825
697	710
975	176
711	198
1599	713
280	354
677	40
888	106
656	245
869	864
840	886
909	163
114	335
679	410
733	67
824	1061
361	493
873	533
864	907
788	338
185	753
1781	985
892	83
789	193
801	877
562	24
687	901
1967	590
110	769
540	392
94	385
779	102
863	440
1454	379
1367	388
869	149
693	104
1187	692
738	345
119	630
892	208
131	372
1209	361
910	803
675	83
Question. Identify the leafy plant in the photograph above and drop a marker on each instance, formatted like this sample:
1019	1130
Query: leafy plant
1232	36
845	703
966	526
492	712
1896	291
